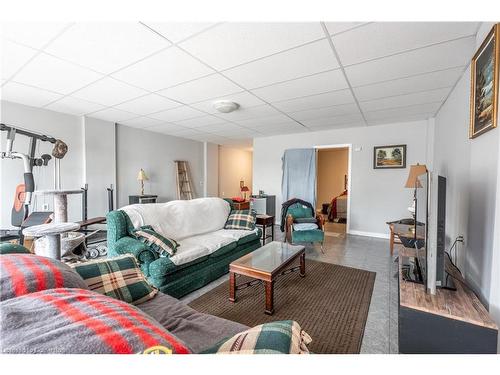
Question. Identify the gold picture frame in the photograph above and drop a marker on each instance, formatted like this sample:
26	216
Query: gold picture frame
484	85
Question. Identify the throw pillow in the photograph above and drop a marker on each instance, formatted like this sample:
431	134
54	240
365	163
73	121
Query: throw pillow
282	337
241	219
165	247
27	273
119	277
77	321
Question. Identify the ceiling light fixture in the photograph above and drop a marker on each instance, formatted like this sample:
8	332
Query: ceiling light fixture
226	106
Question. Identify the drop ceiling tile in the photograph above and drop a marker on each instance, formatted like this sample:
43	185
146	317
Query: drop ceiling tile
113	115
53	74
32	34
401	118
265	121
177	114
340	27
339	125
338	110
316	84
162	70
74	106
402	111
248	113
178	31
234	133
239	143
200	122
379	39
106	46
302	61
231	44
406	100
109	91
147	104
14	56
316	101
288	127
141	122
334	121
210	87
244	99
421	82
425	60
28	95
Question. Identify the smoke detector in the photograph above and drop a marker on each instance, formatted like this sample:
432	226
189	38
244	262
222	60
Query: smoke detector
226	106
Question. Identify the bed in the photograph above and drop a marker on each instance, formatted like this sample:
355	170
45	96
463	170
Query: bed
337	211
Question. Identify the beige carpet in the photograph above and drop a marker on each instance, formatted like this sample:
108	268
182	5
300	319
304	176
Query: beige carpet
331	303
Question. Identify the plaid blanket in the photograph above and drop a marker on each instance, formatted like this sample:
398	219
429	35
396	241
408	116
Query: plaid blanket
76	321
26	273
282	337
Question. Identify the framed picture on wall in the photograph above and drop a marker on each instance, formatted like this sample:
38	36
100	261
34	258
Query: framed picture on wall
389	157
484	85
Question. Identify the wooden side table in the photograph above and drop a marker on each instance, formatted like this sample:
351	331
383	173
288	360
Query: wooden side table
241	205
265	221
134	199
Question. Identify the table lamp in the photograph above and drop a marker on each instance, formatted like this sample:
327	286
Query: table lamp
142	177
413	182
244	190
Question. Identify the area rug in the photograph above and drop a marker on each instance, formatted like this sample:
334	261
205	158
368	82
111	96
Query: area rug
330	303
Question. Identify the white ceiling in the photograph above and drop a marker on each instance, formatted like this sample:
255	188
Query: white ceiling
287	77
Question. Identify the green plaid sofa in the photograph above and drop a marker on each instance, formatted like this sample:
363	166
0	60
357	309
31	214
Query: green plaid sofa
172	279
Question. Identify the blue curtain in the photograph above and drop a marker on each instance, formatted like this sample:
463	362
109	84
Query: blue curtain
299	175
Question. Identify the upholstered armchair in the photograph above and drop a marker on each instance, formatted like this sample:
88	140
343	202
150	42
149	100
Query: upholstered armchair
302	225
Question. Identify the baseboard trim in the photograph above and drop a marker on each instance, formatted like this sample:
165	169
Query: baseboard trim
369	234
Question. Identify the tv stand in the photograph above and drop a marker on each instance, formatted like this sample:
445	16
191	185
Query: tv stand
448	322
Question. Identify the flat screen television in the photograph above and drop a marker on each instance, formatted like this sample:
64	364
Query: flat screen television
416	268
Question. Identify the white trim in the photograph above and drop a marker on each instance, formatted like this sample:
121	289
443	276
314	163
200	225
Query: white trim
349	177
369	234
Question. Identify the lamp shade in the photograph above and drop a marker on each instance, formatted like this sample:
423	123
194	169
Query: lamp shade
245	188
142	176
415	171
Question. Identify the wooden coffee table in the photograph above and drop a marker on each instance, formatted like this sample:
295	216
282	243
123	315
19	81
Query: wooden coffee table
264	265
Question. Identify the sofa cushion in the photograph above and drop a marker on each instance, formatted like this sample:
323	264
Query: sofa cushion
12	248
199	331
119	277
281	337
302	220
77	321
27	273
197	246
241	219
162	245
181	219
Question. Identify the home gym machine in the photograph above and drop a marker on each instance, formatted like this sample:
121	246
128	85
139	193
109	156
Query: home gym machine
24	192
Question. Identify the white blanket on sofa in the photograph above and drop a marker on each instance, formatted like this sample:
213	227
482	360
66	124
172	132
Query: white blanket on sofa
197	224
181	219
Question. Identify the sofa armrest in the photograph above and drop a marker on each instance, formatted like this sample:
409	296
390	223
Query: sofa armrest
143	254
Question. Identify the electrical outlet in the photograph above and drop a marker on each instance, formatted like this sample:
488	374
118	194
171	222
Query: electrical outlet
45	207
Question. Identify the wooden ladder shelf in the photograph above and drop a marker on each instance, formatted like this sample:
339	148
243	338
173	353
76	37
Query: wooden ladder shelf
184	186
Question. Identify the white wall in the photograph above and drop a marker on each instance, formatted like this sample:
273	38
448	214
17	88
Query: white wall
472	171
155	153
211	169
99	163
377	196
58	125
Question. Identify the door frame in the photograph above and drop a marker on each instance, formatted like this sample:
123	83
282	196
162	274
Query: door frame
349	176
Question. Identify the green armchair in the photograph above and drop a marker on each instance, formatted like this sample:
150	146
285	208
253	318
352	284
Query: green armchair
297	216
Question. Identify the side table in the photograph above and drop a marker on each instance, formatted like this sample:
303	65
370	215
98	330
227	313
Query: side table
265	221
53	233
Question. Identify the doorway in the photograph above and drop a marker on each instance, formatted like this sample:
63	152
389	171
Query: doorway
332	185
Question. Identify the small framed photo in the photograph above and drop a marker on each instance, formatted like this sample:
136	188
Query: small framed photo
389	157
484	85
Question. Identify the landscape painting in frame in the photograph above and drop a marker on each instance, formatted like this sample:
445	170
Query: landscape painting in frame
389	157
484	85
